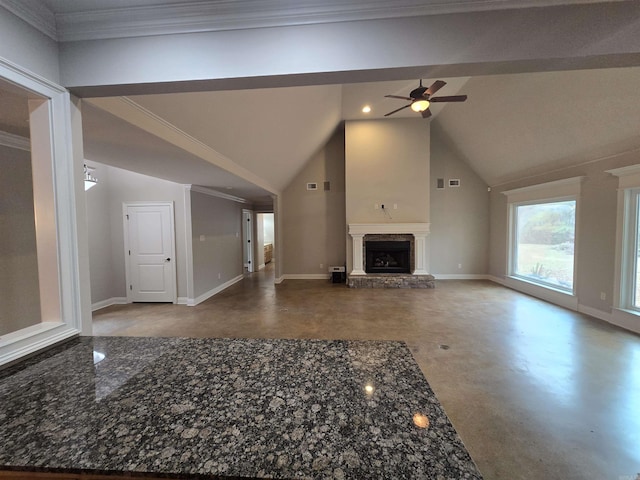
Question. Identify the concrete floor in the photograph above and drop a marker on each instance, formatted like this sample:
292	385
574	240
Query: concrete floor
534	390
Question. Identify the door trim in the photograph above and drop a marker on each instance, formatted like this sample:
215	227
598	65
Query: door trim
247	234
125	228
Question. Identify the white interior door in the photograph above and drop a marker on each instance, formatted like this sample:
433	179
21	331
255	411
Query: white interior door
150	251
247	233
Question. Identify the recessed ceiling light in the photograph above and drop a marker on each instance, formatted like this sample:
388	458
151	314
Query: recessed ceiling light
366	109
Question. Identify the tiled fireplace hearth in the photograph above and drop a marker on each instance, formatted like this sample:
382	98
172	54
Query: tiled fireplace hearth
390	265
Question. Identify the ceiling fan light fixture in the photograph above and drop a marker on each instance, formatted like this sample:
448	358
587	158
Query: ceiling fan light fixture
420	105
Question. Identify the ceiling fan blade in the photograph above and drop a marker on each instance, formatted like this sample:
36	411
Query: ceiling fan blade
401	98
401	108
426	113
452	98
435	86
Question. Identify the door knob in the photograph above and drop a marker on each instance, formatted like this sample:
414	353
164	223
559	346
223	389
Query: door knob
168	260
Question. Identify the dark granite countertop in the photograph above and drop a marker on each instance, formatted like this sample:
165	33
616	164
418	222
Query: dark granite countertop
223	408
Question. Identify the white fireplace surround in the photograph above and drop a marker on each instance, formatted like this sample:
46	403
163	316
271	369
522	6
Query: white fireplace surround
420	231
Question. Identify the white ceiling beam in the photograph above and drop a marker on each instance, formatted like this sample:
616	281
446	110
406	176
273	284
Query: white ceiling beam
480	43
136	21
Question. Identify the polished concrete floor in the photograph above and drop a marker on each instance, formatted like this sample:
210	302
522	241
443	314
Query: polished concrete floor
534	390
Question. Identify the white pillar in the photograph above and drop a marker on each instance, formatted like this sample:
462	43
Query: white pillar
358	262
421	251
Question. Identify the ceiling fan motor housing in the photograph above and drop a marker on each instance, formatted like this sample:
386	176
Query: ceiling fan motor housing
418	92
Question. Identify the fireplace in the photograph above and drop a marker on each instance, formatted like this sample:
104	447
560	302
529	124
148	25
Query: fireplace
414	233
387	256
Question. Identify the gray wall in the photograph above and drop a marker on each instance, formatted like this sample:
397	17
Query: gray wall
106	248
460	215
101	268
19	285
314	221
387	163
25	46
596	227
217	258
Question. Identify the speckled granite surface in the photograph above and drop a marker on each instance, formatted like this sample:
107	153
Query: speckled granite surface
229	408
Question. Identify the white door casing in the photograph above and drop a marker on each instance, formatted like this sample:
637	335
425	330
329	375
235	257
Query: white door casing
149	241
247	239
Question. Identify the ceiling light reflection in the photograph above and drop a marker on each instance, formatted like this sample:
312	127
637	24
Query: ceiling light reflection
98	357
420	420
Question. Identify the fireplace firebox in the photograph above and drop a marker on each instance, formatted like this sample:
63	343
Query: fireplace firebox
387	256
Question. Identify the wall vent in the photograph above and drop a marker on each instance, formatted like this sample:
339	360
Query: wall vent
312	186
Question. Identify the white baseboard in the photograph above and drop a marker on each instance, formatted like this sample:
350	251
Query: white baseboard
108	302
557	297
32	339
182	301
625	319
306	276
618	317
191	302
261	266
279	280
495	279
461	276
594	312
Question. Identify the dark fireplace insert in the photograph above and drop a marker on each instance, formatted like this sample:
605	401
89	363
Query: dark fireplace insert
387	256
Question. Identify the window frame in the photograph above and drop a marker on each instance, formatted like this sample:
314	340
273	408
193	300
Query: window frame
624	313
558	190
513	243
66	312
631	238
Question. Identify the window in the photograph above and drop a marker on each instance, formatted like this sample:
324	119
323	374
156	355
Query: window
544	241
630	271
626	300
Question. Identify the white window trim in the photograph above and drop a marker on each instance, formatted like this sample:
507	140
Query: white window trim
628	185
66	183
556	191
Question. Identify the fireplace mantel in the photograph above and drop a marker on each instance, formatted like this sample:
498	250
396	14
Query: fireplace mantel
420	231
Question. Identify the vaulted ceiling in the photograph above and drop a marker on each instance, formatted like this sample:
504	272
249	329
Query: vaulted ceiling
511	126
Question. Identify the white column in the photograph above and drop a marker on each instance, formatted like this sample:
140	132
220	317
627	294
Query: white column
44	209
422	267
358	264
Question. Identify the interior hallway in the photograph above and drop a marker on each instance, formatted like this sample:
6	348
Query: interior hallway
534	390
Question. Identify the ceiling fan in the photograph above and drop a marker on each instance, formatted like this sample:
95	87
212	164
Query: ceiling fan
421	98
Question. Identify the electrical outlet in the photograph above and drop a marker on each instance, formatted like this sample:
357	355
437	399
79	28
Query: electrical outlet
202	237
219	276
459	266
603	296
395	206
375	205
321	265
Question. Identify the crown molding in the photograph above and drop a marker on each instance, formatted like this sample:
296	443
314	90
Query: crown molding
215	193
206	16
35	14
15	141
